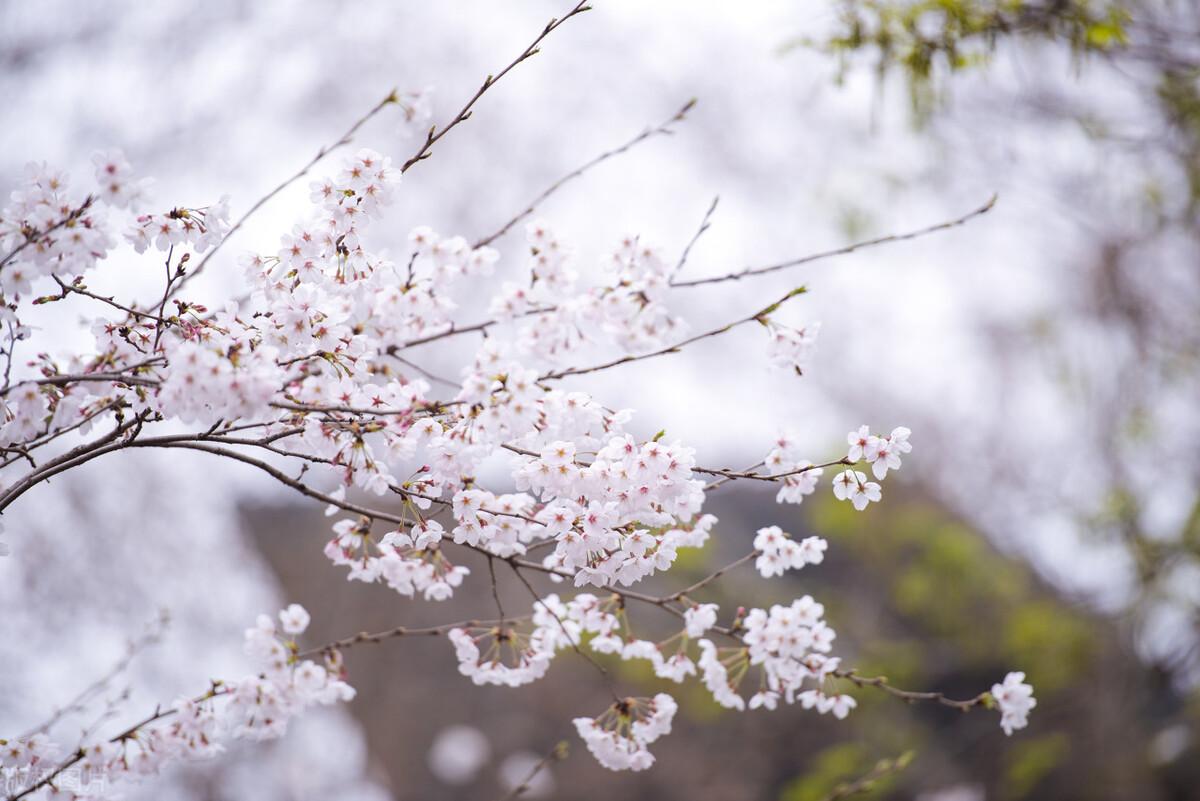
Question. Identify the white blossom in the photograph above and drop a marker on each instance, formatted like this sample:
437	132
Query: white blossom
1015	699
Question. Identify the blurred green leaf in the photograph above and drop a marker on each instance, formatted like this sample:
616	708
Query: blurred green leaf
1032	760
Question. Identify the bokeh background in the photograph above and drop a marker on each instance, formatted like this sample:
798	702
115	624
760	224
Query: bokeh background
1044	354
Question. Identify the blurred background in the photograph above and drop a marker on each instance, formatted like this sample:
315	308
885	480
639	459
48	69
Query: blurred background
1044	354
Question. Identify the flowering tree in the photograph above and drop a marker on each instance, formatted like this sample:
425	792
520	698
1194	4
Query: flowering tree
310	376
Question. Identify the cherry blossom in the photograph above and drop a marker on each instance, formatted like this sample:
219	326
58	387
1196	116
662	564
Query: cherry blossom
47	230
884	452
699	619
114	177
798	475
294	619
778	552
529	662
840	705
1015	699
792	348
620	737
852	485
860	443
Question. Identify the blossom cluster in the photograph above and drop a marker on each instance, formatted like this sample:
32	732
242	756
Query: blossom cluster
199	229
778	552
800	477
792	348
1015	699
47	230
531	659
791	644
256	707
788	645
408	562
883	453
620	737
633	489
628	309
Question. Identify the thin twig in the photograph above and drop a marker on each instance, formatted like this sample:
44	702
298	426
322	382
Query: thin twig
663	128
865	783
705	224
758	316
75	378
566	633
344	140
556	754
375	638
79	290
737	474
50	436
77	755
432	377
151	636
435	134
750	272
713	576
728	474
495	587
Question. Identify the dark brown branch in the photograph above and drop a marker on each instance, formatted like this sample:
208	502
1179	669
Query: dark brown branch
79	290
736	474
399	631
881	683
76	378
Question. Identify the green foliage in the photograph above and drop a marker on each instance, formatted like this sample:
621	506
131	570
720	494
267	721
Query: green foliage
1191	530
1055	645
921	37
1032	760
1179	97
902	661
842	771
948	584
